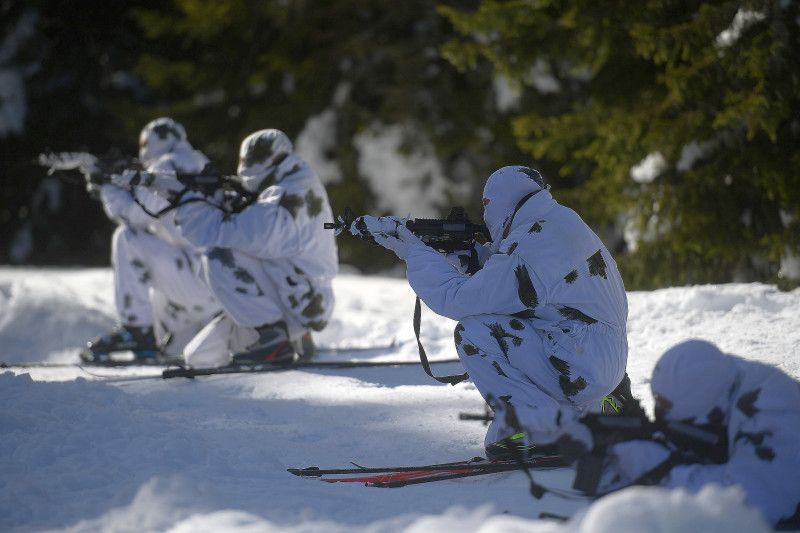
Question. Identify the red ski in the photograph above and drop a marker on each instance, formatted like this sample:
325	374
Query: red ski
392	477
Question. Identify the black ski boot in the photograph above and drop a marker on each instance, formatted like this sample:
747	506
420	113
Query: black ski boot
621	401
273	346
139	340
514	448
305	348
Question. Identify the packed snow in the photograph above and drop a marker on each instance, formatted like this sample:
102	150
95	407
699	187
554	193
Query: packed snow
102	449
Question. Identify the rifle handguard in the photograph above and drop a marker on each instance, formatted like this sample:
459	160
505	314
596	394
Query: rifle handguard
447	235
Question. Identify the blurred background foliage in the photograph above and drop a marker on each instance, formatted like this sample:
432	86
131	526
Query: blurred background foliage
672	127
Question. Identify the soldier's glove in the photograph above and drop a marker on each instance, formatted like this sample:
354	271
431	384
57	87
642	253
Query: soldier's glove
126	179
399	244
163	184
574	440
634	458
366	227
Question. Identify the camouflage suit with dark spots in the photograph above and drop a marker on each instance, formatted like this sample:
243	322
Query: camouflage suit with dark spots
758	408
271	261
542	325
157	273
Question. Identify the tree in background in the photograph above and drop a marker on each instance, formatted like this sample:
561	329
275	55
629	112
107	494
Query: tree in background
675	122
365	76
61	63
357	71
670	125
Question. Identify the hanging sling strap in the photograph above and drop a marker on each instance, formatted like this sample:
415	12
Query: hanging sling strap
423	358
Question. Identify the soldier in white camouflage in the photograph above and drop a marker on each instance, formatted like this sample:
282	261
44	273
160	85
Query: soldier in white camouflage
161	300
542	324
266	257
755	409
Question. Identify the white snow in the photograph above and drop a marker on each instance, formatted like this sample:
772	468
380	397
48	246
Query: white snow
649	168
541	77
507	96
404	180
13	102
13	70
743	20
317	140
81	452
693	151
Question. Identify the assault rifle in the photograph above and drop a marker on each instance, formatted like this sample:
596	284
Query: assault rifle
447	235
205	182
78	167
693	443
97	171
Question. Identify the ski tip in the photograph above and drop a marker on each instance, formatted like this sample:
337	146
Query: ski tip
311	471
177	373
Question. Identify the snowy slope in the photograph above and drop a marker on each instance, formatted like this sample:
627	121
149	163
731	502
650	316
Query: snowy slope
82	452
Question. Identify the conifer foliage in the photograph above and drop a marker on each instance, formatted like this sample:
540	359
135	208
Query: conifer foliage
671	126
674	122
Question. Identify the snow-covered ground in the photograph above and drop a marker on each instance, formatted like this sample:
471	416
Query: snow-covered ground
82	452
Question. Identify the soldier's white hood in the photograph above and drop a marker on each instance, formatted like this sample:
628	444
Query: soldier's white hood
696	378
503	190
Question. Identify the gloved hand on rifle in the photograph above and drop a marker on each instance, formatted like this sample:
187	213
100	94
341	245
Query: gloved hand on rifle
163	184
366	227
389	232
401	243
85	163
636	457
574	439
126	179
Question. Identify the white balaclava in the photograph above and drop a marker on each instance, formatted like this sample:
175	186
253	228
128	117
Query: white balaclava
504	189
696	378
260	152
159	137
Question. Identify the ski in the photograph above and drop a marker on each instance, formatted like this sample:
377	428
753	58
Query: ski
179	360
93	364
190	372
403	479
394	477
344	349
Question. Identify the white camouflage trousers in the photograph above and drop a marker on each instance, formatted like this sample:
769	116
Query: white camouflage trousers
208	304
539	372
161	285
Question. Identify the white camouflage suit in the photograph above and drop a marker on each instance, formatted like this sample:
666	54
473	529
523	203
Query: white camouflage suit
758	405
157	277
542	323
270	261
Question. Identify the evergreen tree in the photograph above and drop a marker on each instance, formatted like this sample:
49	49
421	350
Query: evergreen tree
67	62
226	68
253	65
675	121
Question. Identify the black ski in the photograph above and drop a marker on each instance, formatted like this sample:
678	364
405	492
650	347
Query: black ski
190	372
156	363
114	363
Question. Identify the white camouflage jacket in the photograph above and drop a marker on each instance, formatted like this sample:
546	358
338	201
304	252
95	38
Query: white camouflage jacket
120	205
763	443
551	268
283	227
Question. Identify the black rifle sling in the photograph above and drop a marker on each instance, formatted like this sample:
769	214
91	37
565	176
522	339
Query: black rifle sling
423	358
